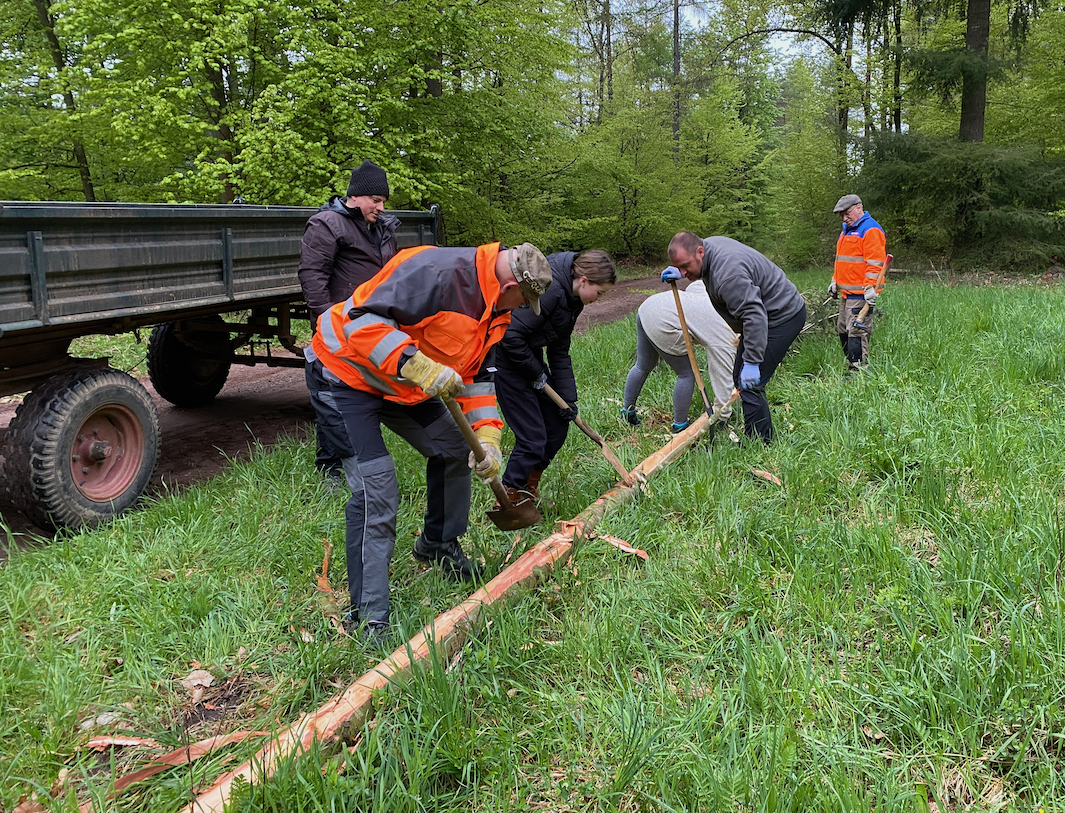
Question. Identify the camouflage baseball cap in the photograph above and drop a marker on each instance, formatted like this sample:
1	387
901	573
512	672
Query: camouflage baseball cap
531	270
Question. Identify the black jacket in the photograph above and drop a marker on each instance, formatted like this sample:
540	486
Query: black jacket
529	336
340	252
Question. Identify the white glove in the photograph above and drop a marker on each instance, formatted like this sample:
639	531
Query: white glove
833	290
870	295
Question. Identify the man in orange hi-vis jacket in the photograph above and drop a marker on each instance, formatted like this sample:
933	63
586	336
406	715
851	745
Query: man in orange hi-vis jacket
422	327
858	278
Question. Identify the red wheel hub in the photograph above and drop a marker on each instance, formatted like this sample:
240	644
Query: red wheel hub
107	453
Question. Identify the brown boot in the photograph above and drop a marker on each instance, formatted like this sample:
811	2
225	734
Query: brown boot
534	488
514	495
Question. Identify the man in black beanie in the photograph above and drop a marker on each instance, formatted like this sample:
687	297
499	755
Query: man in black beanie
345	244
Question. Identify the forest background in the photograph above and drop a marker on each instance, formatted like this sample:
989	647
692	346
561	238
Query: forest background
569	123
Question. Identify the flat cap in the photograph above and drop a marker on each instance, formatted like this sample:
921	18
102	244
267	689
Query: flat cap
846	202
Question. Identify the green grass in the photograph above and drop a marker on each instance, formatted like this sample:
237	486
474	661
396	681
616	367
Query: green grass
884	631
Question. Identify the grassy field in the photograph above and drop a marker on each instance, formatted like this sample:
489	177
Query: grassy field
884	630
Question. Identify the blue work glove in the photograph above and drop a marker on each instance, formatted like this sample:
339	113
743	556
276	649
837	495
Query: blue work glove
540	382
750	376
671	274
568	413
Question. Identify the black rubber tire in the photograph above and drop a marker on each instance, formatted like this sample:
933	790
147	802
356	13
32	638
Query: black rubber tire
105	418
187	376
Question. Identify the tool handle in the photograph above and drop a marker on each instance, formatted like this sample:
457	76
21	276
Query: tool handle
865	308
477	449
691	349
608	453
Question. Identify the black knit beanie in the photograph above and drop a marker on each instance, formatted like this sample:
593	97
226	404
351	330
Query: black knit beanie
369	179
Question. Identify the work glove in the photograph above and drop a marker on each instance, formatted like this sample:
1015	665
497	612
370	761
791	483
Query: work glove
493	458
568	413
540	382
833	290
433	377
671	274
750	376
870	295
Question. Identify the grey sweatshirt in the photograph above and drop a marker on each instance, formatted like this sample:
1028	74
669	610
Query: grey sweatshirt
749	291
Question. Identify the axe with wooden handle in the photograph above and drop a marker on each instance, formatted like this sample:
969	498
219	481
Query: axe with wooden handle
608	453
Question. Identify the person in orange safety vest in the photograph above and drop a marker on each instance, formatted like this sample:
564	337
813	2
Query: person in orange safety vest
424	326
858	277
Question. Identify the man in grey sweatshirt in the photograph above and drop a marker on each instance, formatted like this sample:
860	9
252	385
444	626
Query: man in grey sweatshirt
756	300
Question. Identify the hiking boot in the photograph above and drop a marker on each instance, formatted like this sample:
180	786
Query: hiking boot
449	555
335	481
374	634
629	414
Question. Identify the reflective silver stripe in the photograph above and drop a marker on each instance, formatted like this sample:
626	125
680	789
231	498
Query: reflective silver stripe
370	378
385	347
365	320
482	414
479	388
872	275
841	258
875	262
851	287
328	334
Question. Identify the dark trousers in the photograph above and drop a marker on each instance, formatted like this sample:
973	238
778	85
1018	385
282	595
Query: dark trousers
330	433
853	335
756	418
539	431
370	515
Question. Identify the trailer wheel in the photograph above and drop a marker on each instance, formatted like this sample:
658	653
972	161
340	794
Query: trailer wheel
186	373
81	448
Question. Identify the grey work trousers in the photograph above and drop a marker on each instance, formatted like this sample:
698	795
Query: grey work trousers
329	431
648	355
370	515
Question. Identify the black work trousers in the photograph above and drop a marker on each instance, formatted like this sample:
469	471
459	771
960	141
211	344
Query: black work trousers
539	431
756	418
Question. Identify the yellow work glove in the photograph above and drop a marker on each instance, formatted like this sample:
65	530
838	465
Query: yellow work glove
433	377
493	458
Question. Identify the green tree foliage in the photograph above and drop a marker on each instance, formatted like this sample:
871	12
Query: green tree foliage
44	130
572	123
967	205
805	171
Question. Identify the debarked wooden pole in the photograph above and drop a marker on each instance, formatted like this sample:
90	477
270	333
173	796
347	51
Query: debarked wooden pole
349	711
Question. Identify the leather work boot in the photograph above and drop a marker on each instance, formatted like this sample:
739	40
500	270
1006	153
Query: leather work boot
452	559
514	495
533	487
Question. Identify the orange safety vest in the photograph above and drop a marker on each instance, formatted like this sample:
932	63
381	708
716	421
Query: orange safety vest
861	252
441	301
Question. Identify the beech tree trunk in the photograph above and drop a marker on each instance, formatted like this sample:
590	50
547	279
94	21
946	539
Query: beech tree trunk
81	159
974	80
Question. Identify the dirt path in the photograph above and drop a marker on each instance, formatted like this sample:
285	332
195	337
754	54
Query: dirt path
259	405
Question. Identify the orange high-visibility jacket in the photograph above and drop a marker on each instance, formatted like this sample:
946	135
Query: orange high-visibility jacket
437	300
861	252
